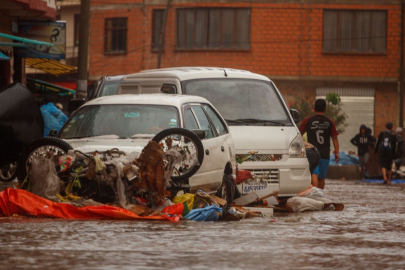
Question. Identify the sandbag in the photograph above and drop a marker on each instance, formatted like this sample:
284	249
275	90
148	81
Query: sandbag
301	204
312	193
44	179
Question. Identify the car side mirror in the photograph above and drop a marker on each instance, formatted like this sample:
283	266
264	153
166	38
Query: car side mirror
200	133
295	115
75	103
53	133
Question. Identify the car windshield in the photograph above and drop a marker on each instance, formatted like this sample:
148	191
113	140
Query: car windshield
241	101
109	88
124	121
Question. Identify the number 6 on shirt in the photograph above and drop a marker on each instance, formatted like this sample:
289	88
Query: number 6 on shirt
319	137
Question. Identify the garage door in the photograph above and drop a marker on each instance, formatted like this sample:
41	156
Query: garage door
358	104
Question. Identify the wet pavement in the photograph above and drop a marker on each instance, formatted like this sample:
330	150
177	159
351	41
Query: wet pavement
368	234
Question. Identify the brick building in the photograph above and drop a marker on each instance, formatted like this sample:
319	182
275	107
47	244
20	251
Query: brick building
306	47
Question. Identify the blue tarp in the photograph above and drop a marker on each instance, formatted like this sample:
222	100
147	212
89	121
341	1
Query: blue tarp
53	118
380	181
345	159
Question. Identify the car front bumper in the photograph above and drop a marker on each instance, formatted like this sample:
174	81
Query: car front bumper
288	176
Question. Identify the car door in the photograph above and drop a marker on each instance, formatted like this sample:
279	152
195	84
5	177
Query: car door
224	153
216	150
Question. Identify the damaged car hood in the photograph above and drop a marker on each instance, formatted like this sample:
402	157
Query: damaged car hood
263	138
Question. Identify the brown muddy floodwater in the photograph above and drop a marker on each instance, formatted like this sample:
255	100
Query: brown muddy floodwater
368	234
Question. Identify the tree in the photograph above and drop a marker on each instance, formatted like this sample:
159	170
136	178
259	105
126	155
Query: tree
305	106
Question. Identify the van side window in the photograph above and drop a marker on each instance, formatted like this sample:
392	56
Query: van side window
203	120
190	121
218	124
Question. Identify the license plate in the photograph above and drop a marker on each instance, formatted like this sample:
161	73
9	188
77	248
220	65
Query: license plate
253	186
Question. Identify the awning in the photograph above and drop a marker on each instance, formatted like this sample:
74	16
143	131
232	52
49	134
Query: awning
45	86
26	40
3	56
50	66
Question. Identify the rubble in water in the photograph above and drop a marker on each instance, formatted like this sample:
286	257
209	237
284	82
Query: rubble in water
137	182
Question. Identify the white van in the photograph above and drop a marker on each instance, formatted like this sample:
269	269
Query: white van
262	126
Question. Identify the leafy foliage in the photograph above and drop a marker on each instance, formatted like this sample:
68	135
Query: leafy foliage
305	106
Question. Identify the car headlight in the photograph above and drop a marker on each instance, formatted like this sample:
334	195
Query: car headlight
297	148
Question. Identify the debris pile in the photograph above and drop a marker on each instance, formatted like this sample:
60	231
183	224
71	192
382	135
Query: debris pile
138	182
311	199
139	185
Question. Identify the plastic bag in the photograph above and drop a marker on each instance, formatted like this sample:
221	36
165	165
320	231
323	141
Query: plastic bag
53	118
242	176
188	198
208	213
179	209
301	204
44	179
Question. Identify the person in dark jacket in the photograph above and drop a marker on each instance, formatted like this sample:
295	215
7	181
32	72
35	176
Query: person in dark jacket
373	141
363	141
399	154
386	147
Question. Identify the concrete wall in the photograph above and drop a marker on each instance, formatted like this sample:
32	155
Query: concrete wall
67	13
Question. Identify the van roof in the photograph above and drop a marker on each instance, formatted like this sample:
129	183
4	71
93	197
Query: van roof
189	73
150	99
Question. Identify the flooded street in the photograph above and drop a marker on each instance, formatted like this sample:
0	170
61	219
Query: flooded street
368	234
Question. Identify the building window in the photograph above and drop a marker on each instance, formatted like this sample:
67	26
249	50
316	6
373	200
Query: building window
116	35
76	29
213	28
354	31
157	27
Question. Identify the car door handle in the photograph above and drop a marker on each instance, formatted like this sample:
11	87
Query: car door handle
222	149
207	152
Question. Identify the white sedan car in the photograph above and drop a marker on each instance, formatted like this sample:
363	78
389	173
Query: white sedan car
128	122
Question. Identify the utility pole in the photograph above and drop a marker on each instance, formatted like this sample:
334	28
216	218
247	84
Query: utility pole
83	49
162	33
401	75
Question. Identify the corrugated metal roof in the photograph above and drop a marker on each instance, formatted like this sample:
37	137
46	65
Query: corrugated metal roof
50	66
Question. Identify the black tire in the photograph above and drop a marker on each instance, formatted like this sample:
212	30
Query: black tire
51	142
8	172
194	138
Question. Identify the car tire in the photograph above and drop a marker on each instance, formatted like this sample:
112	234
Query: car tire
194	138
8	172
61	146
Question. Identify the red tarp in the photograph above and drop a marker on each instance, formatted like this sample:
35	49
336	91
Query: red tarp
23	203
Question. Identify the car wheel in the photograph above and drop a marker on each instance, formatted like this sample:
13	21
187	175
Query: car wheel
8	172
186	141
46	147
